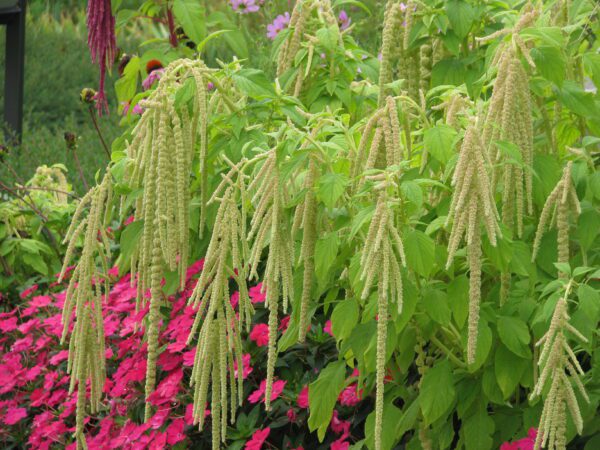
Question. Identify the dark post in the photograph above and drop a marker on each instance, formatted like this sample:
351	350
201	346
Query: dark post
14	18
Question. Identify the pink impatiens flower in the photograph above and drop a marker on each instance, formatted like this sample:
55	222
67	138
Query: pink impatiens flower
259	394
327	328
527	443
256	296
303	398
260	334
340	444
280	23
258	439
349	396
14	415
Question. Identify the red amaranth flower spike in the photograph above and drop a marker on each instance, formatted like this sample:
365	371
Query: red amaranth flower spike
101	42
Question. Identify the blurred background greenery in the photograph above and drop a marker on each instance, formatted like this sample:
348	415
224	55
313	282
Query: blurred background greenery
57	68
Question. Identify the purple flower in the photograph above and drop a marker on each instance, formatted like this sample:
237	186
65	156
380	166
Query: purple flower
280	23
210	86
344	20
151	78
244	6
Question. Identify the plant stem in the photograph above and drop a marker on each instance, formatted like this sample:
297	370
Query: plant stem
93	116
435	341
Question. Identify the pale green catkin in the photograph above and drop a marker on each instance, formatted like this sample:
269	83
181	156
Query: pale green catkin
84	297
216	324
307	250
381	258
268	220
392	11
472	204
564	203
560	369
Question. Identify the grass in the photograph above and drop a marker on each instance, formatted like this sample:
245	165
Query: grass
57	68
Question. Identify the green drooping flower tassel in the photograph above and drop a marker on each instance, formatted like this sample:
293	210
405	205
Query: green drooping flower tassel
561	203
269	221
219	347
559	369
472	203
84	298
381	259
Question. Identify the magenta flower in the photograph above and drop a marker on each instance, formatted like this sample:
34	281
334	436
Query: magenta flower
244	6
349	396
327	328
280	23
260	334
14	415
256	294
344	20
258	439
101	42
259	394
302	400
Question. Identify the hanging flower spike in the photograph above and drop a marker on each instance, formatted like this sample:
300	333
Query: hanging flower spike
559	369
102	43
472	203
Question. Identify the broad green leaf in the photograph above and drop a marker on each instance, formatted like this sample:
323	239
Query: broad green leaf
331	187
458	298
36	262
437	393
478	430
587	228
435	303
329	38
408	419
550	63
420	252
439	142
548	35
514	334
484	345
326	250
344	318
391	416
591	63
323	394
129	240
508	369
412	192
254	83
190	14
577	100
461	15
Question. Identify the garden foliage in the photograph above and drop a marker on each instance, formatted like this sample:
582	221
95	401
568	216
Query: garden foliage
432	202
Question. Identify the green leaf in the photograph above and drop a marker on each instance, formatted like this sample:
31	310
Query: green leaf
484	345
458	298
326	250
591	64
577	100
391	416
254	83
436	305
508	369
420	252
550	63
478	430
329	38
408	419
190	14
331	187
344	318
548	35
514	334
36	262
461	15
323	394
439	142
129	240
437	392
587	228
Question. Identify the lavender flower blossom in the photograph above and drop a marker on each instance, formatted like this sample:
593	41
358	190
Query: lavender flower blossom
244	6
344	20
280	23
151	78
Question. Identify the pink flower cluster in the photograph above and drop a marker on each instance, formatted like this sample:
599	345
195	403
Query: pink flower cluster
526	443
